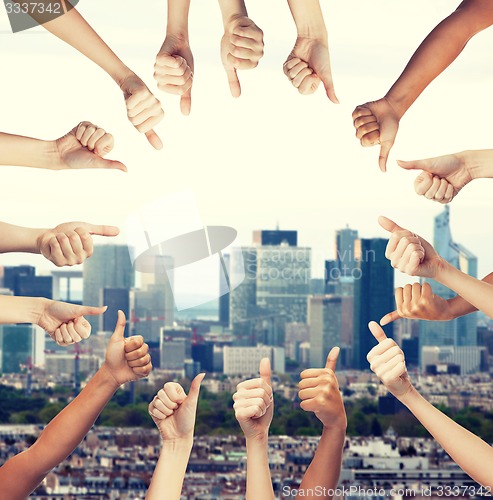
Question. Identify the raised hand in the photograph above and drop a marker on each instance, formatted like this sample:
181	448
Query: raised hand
173	70
387	362
409	253
442	177
308	64
319	393
65	323
143	110
173	411
377	122
254	403
70	243
127	359
242	47
418	302
84	147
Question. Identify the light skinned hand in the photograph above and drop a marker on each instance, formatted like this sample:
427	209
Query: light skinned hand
173	411
143	110
319	393
254	403
387	362
70	243
418	302
65	323
173	70
242	47
308	64
377	122
85	147
442	177
128	359
409	253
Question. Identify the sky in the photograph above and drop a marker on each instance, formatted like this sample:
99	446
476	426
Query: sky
270	157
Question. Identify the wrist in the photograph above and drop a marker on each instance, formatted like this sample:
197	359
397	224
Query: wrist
478	164
108	376
37	307
121	75
442	267
338	427
399	103
231	10
176	445
409	396
260	438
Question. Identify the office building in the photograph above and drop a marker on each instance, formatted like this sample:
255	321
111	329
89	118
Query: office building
245	361
116	299
346	250
275	237
21	345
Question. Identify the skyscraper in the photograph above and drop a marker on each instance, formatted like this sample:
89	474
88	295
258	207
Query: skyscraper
109	267
461	331
19	345
373	295
346	250
116	299
22	280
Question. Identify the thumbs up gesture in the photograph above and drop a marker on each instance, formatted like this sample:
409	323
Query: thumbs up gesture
127	359
319	393
173	411
442	177
409	253
387	362
254	403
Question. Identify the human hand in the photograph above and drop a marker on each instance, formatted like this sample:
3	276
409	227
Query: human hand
254	403
442	177
409	253
377	122
308	64
387	362
127	359
319	393
84	147
418	302
242	47
70	243
173	70
174	412
143	110
65	323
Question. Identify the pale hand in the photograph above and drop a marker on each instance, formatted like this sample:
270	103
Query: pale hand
173	70
387	362
70	243
254	403
319	393
84	147
143	110
442	177
418	302
173	411
242	47
409	253
308	64
377	122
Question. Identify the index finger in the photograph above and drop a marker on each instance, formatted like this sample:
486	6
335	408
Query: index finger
361	111
388	318
100	230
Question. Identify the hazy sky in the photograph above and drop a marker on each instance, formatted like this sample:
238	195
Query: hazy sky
270	156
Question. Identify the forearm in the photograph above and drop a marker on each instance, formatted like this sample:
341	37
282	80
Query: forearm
325	469
167	480
21	309
73	29
259	481
479	163
479	294
439	49
178	18
22	151
308	18
231	9
470	452
60	437
19	239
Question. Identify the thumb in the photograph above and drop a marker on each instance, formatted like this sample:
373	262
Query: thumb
109	164
91	311
389	225
388	318
377	331
332	358
265	370
195	387
101	230
385	148
415	165
234	82
154	139
119	332
329	87
186	103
